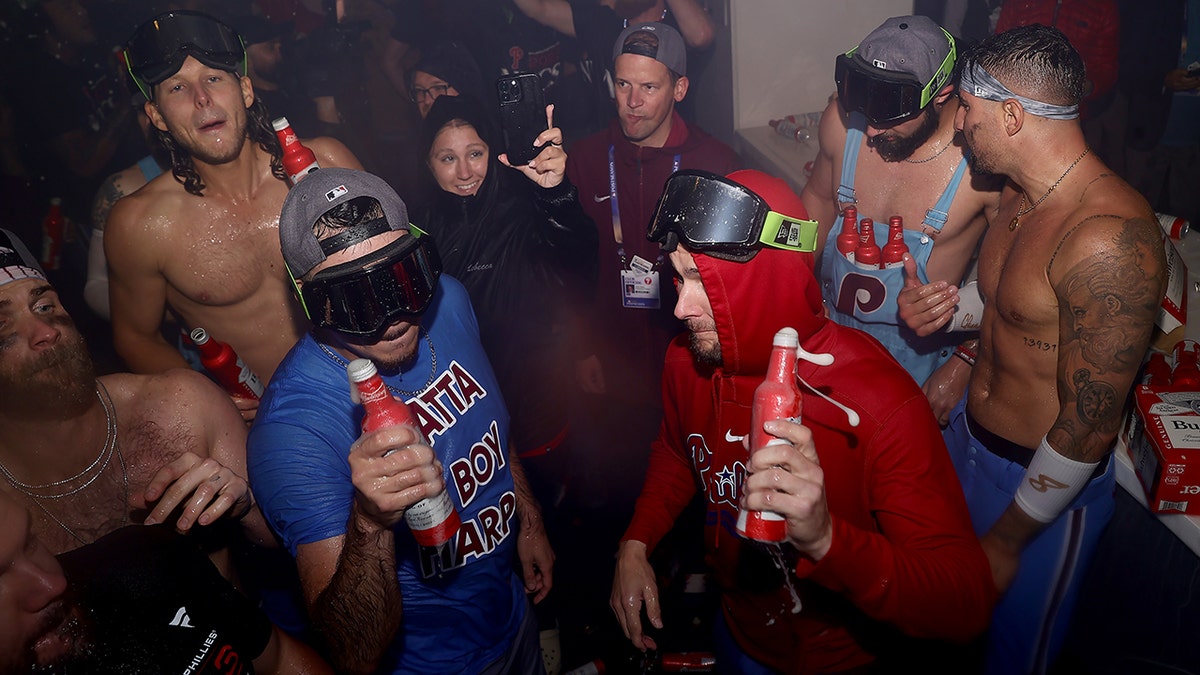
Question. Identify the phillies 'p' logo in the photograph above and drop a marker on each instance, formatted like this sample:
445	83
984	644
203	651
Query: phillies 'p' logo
860	292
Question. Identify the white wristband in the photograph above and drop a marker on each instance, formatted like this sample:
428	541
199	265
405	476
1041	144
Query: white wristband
1050	483
969	312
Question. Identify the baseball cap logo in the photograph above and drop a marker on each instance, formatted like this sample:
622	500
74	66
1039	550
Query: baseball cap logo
882	65
335	193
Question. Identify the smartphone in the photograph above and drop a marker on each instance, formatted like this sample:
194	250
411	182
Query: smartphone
522	115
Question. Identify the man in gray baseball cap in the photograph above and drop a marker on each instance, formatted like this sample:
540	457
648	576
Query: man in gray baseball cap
382	601
888	148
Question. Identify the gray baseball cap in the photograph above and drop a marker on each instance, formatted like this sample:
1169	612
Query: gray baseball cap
320	191
907	44
16	262
658	41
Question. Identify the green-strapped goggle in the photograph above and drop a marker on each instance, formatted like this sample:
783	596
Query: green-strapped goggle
716	216
886	97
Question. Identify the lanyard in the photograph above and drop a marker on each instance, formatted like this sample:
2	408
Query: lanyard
615	205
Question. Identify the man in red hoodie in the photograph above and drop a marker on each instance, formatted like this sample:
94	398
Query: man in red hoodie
878	533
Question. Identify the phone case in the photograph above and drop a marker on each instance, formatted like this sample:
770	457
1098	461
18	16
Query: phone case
522	115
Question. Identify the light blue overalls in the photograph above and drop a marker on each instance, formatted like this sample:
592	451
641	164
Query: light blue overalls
866	299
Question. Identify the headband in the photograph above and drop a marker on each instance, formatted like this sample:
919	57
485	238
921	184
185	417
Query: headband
980	83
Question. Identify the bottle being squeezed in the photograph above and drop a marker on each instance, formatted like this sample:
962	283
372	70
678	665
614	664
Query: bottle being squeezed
778	397
434	521
298	160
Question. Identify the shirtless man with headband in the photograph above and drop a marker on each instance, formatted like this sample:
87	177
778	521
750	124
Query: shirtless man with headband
1072	274
203	240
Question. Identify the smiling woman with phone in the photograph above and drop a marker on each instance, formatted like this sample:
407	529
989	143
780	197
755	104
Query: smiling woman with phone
525	251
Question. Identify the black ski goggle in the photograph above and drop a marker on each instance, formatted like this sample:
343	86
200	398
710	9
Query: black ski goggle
362	299
714	215
158	47
884	97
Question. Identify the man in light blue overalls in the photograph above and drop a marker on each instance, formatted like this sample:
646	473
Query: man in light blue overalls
888	148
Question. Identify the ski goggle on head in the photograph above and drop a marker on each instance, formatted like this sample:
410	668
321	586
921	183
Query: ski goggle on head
363	298
886	97
713	215
158	47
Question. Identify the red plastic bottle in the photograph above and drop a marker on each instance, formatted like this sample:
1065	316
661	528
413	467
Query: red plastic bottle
895	248
224	363
688	662
298	160
1157	372
847	239
1187	368
433	520
54	229
778	397
867	255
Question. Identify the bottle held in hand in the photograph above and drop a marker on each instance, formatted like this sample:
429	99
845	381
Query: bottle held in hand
226	366
433	520
298	160
778	397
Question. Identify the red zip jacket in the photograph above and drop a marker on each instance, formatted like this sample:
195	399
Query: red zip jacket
903	550
631	342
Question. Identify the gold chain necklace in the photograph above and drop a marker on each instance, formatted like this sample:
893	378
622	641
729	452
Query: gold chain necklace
935	155
1021	210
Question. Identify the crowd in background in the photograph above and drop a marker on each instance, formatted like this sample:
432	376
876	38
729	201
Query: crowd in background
368	73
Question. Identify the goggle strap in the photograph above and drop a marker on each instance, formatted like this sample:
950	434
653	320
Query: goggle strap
354	235
299	293
943	73
785	233
136	80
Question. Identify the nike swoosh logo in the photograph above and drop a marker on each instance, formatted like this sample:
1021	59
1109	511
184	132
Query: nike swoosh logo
731	438
601	198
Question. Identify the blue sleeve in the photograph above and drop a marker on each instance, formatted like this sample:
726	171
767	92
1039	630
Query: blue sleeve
301	475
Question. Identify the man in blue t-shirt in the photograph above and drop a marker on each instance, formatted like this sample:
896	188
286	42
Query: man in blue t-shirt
378	599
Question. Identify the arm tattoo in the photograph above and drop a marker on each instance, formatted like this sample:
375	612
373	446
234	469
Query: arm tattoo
1107	304
106	196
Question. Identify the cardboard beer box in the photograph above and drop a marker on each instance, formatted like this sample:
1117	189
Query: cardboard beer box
1172	313
1163	436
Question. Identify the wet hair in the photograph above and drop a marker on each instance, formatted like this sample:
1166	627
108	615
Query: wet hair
347	215
258	130
344	217
1036	61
